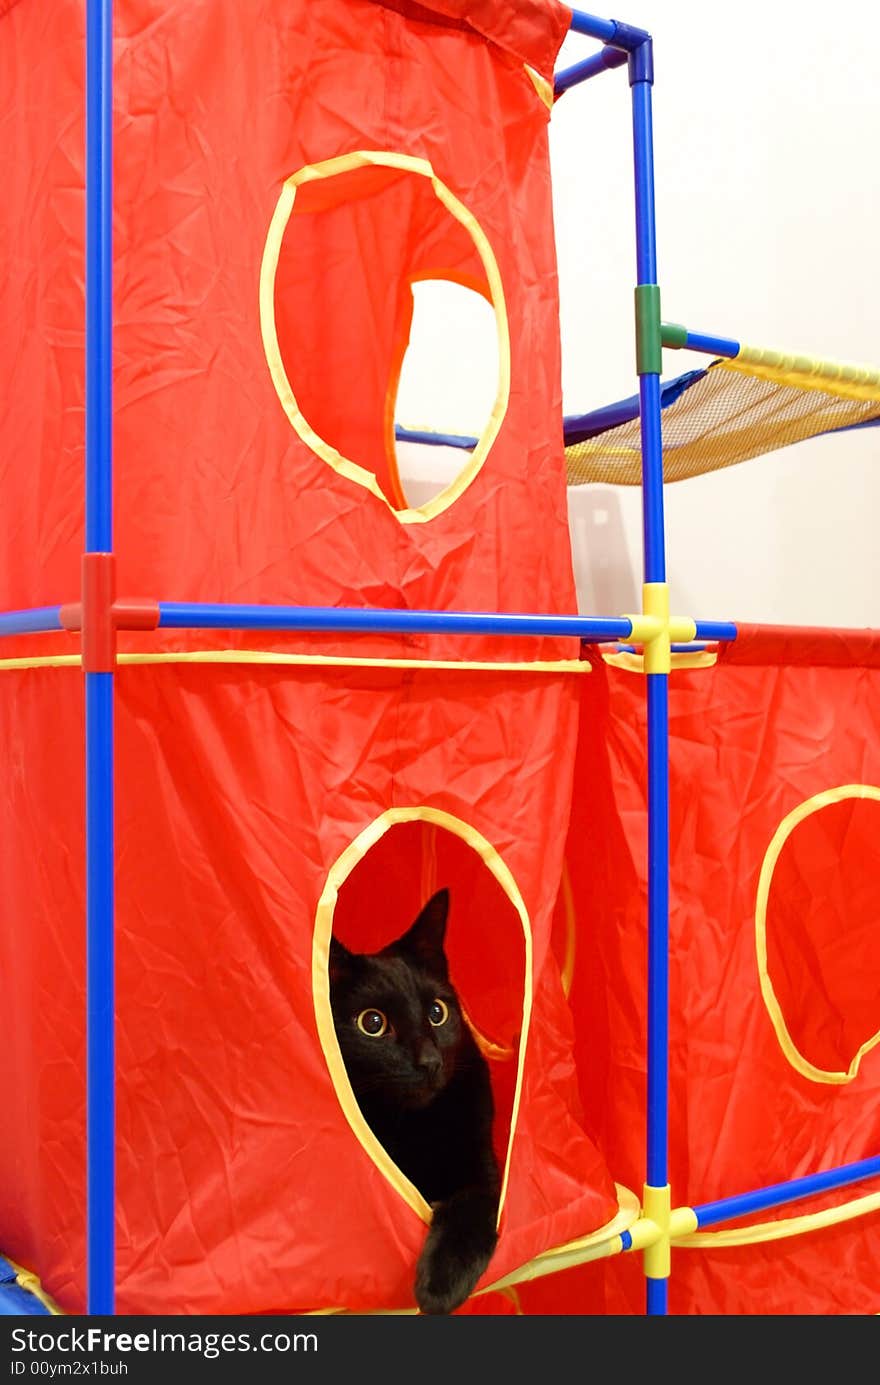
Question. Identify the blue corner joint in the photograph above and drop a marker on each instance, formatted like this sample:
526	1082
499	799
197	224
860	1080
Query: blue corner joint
623	43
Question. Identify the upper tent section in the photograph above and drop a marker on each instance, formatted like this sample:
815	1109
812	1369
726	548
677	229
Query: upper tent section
530	30
283	176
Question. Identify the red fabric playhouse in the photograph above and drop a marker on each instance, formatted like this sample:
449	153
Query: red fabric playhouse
284	173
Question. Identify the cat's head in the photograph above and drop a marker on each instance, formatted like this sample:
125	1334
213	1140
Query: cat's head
397	1018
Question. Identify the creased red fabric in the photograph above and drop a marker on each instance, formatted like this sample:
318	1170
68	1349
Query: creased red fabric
753	753
532	30
799	645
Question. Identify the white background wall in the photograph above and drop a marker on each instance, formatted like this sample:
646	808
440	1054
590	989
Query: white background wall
767	149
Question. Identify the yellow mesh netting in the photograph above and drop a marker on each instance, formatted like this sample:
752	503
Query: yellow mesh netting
758	403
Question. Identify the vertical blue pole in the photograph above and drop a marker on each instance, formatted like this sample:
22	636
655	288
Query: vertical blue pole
641	78
100	1121
100	1076
649	384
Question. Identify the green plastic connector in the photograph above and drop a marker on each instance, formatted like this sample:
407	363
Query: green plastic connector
649	346
672	334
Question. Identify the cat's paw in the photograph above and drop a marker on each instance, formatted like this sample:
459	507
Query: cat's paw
458	1249
441	1287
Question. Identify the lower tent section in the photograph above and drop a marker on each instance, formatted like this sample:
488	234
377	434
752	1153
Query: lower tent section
261	813
263	816
516	1293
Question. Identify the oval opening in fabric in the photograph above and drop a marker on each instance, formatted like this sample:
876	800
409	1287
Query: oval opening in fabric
447	387
374	893
348	240
817	907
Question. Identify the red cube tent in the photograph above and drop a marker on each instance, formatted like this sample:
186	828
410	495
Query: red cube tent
774	898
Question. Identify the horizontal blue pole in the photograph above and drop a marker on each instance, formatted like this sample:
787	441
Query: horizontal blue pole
205	616
434	439
712	346
776	1194
39	619
589	67
614	31
583	23
35	621
695	648
715	630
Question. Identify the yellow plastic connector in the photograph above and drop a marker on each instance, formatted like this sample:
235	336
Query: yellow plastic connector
657	1227
657	1206
656	630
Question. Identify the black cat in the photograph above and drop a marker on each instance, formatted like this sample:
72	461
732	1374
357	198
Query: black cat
423	1086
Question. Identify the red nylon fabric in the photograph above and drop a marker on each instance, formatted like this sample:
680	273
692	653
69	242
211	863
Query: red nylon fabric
748	746
802	645
241	1187
531	30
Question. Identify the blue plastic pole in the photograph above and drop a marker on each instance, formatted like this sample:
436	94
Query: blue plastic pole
590	24
35	621
461	440
99	275
624	36
641	77
712	346
40	619
658	951
715	630
100	1095
100	1075
776	1194
582	71
649	384
206	616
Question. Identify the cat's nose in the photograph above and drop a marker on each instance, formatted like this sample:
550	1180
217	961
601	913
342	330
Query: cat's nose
428	1060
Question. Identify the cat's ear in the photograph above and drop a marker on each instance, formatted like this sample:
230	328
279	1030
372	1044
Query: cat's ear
424	938
340	959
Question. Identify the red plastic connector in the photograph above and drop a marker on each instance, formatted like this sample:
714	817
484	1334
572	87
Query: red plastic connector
99	615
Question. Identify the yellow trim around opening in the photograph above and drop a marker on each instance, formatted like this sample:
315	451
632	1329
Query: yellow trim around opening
339	873
331	168
598	1245
774	1009
257	656
542	87
567	974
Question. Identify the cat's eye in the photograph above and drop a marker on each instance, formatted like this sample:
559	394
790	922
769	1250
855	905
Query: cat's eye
438	1013
372	1023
